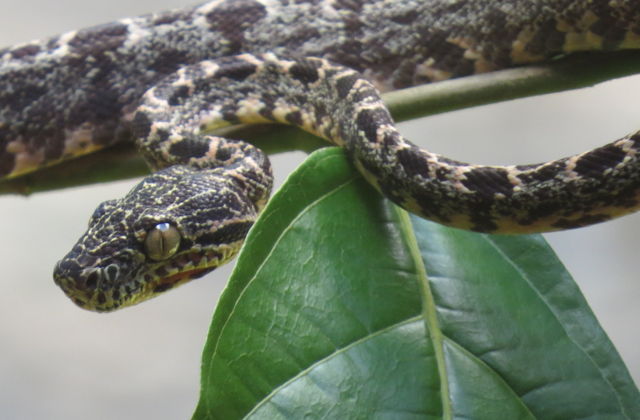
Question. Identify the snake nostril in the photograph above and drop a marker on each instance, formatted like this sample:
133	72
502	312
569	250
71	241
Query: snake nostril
111	272
93	278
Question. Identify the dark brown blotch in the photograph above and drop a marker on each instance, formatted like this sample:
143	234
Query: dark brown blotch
223	154
345	84
99	38
189	148
168	60
594	163
364	93
294	118
167	18
236	69
101	298
488	181
351	5
115	295
547	39
25	51
413	162
608	26
533	173
635	138
304	73
233	17
178	95
7	161
227	234
368	121
141	125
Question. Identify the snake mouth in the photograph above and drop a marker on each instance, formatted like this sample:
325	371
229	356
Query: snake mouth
112	286
106	301
187	267
177	279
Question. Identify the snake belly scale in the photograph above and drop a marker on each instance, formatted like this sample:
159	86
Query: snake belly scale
167	80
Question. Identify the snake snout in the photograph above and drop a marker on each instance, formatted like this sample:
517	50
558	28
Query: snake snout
99	277
94	278
88	287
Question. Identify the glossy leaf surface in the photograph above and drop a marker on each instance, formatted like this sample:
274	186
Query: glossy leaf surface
343	306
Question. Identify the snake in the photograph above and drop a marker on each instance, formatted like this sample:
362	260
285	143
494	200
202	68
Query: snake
169	81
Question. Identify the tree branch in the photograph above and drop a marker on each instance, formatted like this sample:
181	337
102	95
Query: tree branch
576	71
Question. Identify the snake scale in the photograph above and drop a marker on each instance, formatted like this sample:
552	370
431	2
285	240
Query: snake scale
166	80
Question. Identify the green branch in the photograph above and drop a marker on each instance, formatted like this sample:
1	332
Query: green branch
574	72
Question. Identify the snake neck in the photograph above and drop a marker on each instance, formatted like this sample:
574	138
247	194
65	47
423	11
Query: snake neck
170	137
340	105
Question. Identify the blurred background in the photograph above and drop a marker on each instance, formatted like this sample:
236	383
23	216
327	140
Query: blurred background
60	362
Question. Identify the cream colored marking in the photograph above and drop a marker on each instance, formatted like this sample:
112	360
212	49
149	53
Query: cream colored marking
79	141
200	13
282	109
627	146
208	7
512	176
182	79
211	121
209	68
25	161
458	175
257	61
579	38
427	70
211	153
66	37
135	31
519	45
248	111
582	42
483	66
434	165
321	125
160	125
570	173
63	45
151	103
309	123
480	64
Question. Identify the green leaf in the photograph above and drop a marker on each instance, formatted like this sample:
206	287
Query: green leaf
330	314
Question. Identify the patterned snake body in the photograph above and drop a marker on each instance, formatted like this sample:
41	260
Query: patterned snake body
246	61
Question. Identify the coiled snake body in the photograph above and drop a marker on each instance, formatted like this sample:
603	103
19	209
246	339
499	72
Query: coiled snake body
167	79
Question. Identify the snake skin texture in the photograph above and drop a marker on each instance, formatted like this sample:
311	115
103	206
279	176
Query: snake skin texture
245	61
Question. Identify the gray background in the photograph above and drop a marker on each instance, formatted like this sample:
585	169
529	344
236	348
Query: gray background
59	362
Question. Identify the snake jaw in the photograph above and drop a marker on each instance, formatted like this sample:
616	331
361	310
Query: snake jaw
101	286
117	262
111	285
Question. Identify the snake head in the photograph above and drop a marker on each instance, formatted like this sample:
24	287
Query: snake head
175	225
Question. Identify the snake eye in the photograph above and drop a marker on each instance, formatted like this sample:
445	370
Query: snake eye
162	242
